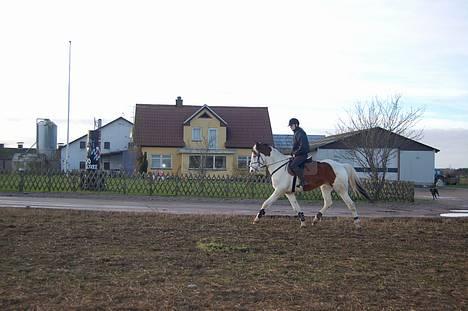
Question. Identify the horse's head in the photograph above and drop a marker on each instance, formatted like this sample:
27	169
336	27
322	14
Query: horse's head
259	152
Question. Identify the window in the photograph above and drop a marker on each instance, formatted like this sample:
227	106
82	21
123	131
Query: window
82	145
212	138
107	145
107	166
219	162
196	134
161	161
194	162
210	162
82	165
243	162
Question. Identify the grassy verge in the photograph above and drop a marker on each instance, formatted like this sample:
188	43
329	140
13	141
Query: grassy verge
68	259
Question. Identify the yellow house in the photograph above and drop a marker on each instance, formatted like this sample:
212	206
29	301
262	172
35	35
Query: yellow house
216	140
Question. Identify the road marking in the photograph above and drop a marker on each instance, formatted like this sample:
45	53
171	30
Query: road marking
454	215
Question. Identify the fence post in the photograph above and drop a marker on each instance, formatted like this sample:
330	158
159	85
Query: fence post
176	180
151	183
252	187
226	186
49	181
124	186
21	182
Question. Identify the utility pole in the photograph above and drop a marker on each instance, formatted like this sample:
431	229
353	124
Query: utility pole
68	113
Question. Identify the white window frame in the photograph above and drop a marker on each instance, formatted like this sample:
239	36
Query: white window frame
212	143
161	158
196	137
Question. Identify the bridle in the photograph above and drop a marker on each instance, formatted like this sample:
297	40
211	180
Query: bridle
259	161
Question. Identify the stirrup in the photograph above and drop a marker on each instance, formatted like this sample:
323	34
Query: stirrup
302	184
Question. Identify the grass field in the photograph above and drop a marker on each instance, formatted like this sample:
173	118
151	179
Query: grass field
91	260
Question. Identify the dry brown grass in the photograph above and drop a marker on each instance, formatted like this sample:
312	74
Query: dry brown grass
91	260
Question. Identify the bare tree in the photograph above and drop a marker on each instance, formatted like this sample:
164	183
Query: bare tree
200	159
379	128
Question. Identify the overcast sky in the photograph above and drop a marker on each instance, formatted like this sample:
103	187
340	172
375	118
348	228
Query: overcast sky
307	59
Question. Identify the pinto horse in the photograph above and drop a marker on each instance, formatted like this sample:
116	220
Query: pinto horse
329	175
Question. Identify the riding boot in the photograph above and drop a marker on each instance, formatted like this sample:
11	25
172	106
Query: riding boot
300	175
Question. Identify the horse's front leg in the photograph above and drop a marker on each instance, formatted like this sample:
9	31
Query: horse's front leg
273	197
296	207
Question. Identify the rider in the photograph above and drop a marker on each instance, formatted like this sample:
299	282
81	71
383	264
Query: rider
299	151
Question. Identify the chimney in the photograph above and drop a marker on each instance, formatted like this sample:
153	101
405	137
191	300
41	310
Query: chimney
99	123
20	144
179	101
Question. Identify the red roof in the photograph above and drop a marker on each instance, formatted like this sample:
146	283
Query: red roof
162	125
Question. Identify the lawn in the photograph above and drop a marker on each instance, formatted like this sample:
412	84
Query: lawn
93	260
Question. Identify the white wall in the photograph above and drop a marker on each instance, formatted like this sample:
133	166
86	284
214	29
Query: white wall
118	134
75	155
417	166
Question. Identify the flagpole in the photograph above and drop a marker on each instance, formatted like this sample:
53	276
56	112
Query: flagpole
68	113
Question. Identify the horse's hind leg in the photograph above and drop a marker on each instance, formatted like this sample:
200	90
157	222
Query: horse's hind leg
327	202
351	206
296	207
273	197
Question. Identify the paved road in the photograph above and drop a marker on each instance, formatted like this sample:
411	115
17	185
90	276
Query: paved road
451	199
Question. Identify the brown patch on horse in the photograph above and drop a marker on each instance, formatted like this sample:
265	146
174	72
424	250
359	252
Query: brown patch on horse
317	173
263	148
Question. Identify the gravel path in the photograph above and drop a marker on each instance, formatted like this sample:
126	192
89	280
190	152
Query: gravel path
424	206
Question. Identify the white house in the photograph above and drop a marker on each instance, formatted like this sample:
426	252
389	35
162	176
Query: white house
115	140
409	161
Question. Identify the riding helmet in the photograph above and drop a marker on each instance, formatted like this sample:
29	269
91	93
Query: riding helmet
293	121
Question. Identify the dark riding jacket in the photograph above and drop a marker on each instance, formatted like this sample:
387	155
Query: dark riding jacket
300	143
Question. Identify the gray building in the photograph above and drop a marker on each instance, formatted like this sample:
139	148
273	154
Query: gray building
409	161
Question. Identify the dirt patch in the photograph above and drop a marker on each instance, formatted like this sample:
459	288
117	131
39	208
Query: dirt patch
94	260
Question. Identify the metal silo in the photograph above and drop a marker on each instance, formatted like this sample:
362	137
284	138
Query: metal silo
46	137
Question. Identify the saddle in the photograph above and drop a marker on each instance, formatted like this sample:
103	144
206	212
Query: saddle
316	173
310	168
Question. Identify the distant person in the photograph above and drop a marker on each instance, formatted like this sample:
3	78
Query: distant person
299	151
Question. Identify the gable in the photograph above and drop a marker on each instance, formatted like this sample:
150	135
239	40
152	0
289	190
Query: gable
205	112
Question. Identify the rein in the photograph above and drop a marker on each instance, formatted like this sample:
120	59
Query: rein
262	165
289	159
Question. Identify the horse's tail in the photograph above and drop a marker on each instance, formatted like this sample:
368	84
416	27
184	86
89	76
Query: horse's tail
355	182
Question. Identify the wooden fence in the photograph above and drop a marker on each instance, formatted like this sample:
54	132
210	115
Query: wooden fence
243	187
